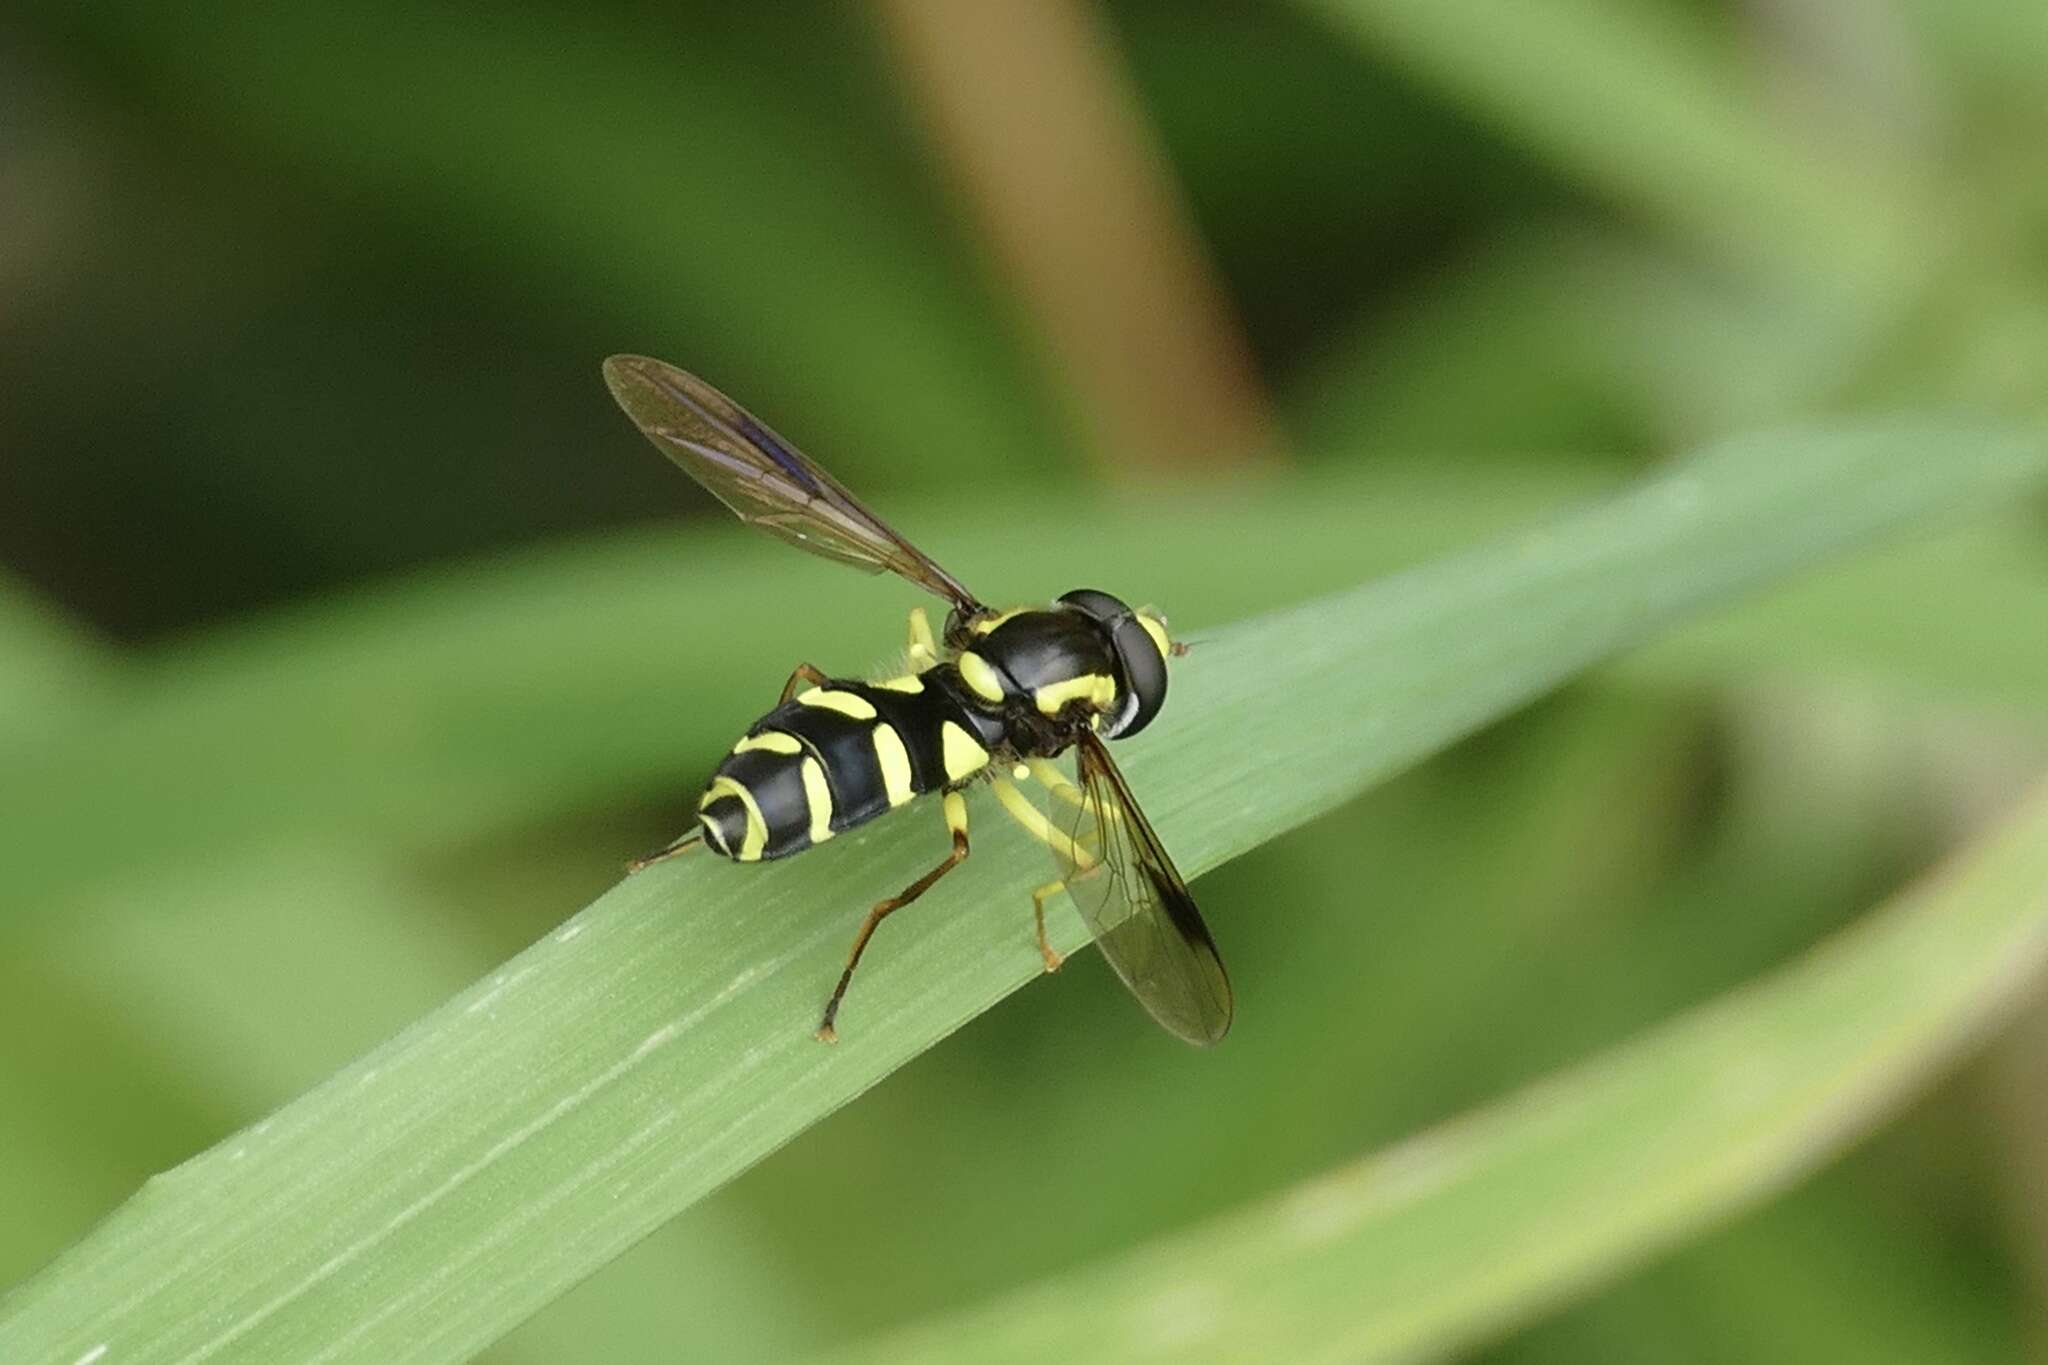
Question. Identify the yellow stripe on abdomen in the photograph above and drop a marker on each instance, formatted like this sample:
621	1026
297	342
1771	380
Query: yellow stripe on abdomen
774	741
894	761
832	699
757	828
818	797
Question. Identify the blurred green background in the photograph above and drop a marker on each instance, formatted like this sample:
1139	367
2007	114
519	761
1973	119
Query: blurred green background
297	303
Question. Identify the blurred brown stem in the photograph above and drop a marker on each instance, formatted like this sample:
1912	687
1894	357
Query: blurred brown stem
2019	1107
1027	105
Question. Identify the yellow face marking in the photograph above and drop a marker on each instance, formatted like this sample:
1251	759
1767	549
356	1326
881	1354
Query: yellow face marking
1156	628
895	762
774	741
983	627
757	828
845	703
962	753
1020	772
980	677
1097	689
818	796
909	682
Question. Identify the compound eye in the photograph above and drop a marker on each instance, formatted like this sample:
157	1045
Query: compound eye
1099	605
1144	668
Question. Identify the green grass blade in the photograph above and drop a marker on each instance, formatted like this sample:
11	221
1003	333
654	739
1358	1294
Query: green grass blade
431	1195
1436	1242
466	703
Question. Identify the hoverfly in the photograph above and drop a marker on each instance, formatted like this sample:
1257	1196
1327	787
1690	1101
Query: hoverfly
995	698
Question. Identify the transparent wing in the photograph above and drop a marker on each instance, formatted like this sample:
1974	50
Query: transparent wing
1135	903
767	481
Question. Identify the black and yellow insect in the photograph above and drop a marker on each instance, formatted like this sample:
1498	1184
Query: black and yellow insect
994	698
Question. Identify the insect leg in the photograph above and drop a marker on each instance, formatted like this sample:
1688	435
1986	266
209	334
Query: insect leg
1052	957
1054	781
924	650
806	675
956	822
1026	813
681	844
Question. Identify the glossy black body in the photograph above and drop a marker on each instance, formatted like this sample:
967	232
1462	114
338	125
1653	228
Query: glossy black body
1032	654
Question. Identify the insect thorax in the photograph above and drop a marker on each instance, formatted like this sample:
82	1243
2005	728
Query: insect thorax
1086	662
1048	671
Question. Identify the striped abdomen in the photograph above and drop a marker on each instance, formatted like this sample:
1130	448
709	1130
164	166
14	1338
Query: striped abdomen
839	755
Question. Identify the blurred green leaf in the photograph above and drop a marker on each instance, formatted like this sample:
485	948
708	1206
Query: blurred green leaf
1994	41
1647	105
51	669
431	1195
177	998
1562	337
1835	1272
1447	1238
730	179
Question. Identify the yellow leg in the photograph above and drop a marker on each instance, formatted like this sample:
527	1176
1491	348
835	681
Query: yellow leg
1054	780
1021	809
956	821
924	650
1025	812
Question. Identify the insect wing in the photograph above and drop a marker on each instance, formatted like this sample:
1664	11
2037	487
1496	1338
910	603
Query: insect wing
767	481
1136	904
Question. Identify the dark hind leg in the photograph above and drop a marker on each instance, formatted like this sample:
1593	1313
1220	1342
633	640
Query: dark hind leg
806	675
681	844
956	821
1052	956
